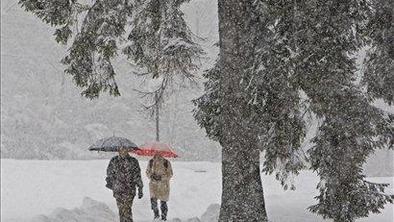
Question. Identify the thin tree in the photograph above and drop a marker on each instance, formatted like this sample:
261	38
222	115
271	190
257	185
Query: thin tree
161	41
151	33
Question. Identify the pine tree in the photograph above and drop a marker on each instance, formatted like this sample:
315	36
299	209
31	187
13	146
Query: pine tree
295	59
251	106
151	33
161	41
221	112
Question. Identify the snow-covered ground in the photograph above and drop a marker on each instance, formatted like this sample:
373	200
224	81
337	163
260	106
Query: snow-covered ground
30	188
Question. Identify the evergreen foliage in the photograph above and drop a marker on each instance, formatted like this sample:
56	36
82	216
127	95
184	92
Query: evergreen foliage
161	41
303	64
351	127
379	72
152	33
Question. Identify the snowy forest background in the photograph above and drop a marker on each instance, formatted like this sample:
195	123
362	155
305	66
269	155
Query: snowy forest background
44	116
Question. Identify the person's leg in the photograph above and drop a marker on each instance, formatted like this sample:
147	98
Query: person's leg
154	207
129	210
125	204
164	210
122	206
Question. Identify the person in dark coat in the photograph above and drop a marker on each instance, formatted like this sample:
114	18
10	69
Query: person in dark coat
123	177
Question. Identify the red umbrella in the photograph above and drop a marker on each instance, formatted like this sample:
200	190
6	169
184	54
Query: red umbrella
152	148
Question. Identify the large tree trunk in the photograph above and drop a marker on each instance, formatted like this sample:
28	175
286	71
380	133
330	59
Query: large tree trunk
242	191
242	196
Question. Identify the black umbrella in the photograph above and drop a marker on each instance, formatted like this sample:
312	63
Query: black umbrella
113	144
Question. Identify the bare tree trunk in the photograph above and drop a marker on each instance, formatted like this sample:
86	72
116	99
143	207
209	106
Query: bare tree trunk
242	191
157	115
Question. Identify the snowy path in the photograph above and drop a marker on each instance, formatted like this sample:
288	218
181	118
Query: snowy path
30	188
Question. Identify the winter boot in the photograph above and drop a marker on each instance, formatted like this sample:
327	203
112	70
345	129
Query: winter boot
156	214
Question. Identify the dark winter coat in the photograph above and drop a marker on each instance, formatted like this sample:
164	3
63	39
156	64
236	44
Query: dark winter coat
123	176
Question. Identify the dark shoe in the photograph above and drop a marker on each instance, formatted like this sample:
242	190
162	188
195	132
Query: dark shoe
157	216
163	218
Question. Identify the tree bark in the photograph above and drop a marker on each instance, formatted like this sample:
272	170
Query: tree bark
242	191
157	117
242	195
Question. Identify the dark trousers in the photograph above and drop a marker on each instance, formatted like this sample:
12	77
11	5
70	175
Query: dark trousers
124	205
163	208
